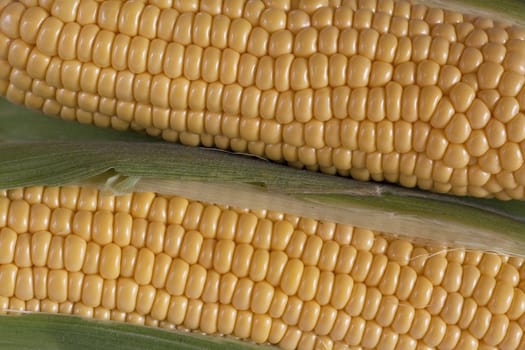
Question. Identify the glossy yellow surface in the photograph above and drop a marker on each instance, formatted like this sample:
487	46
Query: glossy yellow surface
265	276
373	89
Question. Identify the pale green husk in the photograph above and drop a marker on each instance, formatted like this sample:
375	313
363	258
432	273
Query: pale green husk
57	332
244	181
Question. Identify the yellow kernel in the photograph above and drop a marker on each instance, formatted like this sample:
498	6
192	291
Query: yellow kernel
92	290
144	266
74	253
159	309
57	285
127	291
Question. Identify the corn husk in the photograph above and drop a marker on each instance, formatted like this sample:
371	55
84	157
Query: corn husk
120	165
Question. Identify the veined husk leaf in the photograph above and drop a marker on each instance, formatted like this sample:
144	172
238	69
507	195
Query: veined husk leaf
124	165
60	332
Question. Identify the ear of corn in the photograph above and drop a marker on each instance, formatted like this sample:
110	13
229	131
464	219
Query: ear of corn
376	90
258	275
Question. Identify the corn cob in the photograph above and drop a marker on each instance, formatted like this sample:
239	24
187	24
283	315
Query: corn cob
265	276
377	90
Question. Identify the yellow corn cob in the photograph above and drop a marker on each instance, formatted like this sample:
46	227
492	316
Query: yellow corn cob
265	276
372	89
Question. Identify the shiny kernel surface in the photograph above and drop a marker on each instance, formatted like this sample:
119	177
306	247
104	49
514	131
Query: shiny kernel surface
369	79
262	276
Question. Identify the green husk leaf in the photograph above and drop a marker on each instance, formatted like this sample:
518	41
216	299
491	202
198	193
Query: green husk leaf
57	154
242	181
57	332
